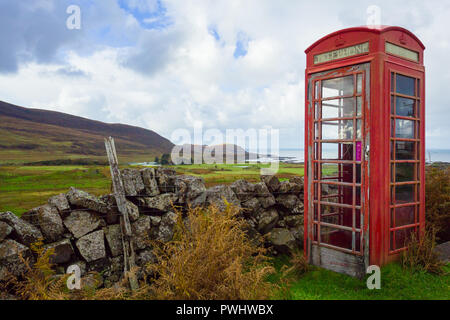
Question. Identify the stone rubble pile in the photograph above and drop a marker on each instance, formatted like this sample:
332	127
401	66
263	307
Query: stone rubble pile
84	229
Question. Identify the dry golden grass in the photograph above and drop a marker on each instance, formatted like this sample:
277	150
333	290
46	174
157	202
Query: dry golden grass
437	201
421	254
299	265
39	282
211	258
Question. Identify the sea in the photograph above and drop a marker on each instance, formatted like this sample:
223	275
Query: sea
298	155
292	155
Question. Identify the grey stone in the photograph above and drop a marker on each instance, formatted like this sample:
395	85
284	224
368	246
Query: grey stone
169	219
261	190
253	235
271	182
298	234
252	222
251	206
289	201
289	187
150	183
5	230
282	240
4	296
281	224
60	202
113	214
200	201
31	216
91	281
63	251
189	188
141	232
99	265
243	189
219	195
166	227
82	199
81	222
82	265
325	188
267	202
144	257
166	179
162	202
113	235
294	221
299	184
155	220
299	208
133	211
115	272
297	180
443	251
132	182
10	261
267	220
92	246
23	231
50	223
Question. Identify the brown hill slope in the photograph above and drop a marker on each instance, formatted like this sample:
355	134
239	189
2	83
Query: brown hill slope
30	135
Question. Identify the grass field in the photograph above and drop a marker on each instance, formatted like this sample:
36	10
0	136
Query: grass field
396	284
228	173
25	187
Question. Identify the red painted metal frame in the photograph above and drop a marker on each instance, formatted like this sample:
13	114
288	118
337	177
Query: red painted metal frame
319	140
377	124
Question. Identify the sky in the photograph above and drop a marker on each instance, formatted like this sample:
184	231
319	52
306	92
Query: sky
172	64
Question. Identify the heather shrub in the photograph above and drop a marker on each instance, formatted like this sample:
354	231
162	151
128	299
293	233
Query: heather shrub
39	281
210	257
421	254
437	201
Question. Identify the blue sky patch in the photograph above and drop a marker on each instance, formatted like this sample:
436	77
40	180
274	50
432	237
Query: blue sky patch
213	31
241	45
154	17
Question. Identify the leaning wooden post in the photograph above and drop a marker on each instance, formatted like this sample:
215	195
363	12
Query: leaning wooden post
119	194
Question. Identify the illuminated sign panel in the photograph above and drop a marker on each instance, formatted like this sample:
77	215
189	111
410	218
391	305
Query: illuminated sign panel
402	52
342	53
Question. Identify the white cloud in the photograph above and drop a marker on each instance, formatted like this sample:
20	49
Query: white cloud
168	79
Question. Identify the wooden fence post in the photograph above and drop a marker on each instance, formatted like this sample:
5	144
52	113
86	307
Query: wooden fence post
119	195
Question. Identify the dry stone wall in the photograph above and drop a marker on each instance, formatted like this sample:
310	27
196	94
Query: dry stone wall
84	229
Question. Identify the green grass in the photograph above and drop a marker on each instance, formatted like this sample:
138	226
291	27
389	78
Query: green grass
228	173
25	187
396	284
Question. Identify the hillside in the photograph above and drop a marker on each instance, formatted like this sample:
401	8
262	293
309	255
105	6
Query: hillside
31	135
228	151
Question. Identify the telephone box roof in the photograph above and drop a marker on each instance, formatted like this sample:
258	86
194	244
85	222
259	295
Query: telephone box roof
373	29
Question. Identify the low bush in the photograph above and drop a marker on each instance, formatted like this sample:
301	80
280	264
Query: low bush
421	254
437	201
39	281
211	257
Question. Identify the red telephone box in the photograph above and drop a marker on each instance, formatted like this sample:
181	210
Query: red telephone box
364	147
